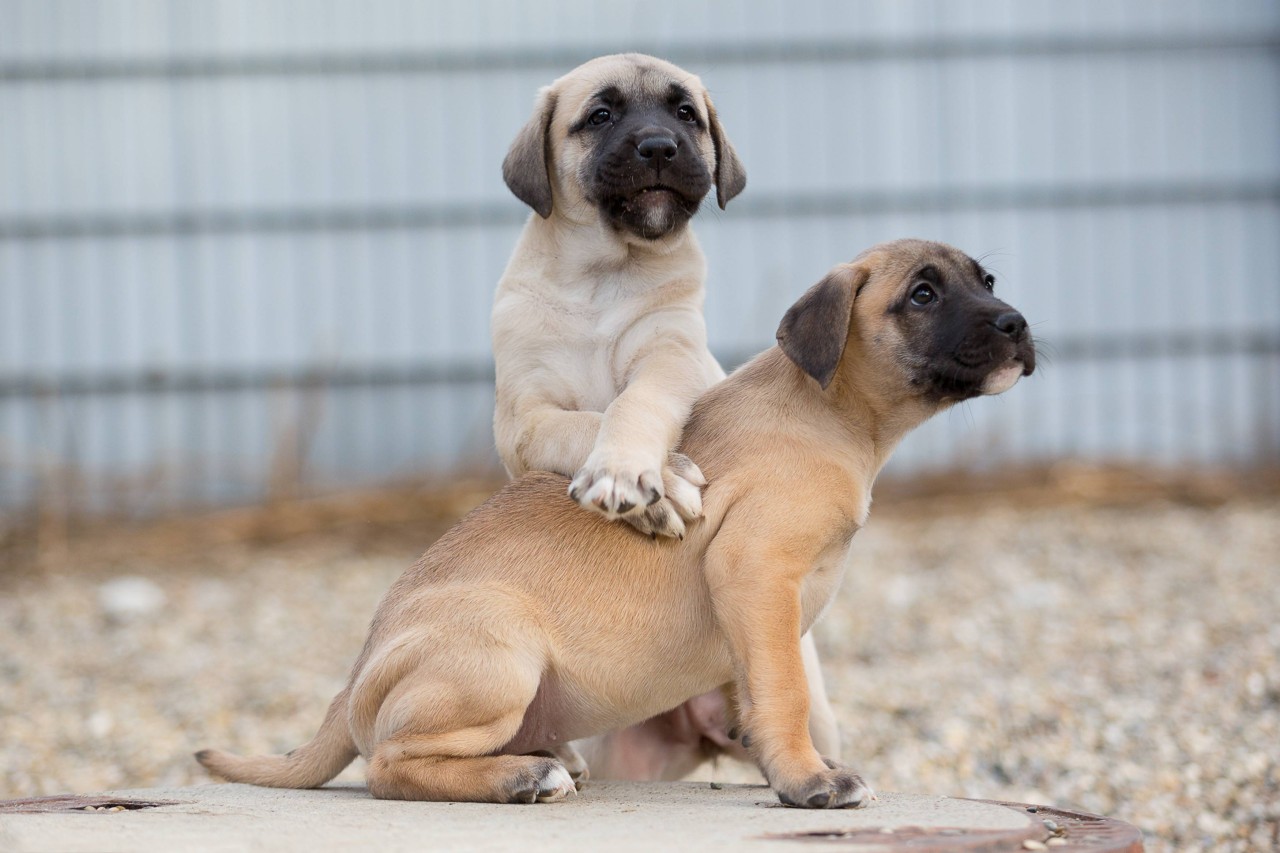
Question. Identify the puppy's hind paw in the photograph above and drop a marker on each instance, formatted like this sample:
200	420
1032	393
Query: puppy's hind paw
556	784
545	781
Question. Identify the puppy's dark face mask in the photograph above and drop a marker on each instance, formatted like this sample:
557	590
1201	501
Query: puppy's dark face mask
962	340
644	170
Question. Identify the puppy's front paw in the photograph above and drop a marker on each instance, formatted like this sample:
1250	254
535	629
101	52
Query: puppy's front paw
660	519
616	489
837	787
682	482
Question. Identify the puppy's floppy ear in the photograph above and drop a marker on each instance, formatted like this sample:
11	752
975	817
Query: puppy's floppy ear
813	332
731	178
527	167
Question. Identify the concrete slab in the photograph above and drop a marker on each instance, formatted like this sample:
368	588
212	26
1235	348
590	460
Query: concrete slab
617	817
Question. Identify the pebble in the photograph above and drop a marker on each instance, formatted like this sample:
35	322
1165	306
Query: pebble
130	597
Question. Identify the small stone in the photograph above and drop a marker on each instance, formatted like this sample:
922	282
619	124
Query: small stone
100	724
130	597
1032	844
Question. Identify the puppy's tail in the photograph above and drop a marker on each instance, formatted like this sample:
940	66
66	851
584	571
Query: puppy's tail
308	766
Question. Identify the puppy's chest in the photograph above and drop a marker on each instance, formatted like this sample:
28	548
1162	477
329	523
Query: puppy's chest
583	352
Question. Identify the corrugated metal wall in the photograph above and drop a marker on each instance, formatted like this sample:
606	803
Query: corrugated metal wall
254	242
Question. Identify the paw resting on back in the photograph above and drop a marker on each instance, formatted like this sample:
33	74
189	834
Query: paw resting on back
616	487
655	502
681	502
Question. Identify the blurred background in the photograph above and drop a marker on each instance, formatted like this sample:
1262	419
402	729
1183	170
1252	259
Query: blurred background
247	255
249	247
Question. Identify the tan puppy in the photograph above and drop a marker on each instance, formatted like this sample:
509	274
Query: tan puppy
532	623
598	336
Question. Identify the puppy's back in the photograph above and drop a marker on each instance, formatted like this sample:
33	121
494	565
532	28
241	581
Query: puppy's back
531	539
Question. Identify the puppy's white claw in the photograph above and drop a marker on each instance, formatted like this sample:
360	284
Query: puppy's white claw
599	496
555	785
650	484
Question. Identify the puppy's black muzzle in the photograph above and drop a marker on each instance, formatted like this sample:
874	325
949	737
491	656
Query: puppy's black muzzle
977	335
644	152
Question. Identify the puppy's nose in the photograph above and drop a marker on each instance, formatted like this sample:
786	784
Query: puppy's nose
656	149
1011	323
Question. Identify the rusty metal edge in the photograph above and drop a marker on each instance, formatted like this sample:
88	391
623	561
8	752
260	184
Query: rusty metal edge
1085	832
922	841
915	839
77	803
1101	834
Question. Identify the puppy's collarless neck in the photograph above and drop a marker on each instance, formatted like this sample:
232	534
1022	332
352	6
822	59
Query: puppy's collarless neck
608	245
568	258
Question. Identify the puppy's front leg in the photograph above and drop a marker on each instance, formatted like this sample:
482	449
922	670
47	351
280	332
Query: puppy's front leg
628	470
757	601
538	435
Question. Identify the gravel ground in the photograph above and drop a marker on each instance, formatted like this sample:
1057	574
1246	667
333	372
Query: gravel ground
1123	660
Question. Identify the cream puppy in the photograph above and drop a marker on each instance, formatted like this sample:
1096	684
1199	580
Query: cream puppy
598	335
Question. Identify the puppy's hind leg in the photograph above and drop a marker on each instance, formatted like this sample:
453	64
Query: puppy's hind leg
445	722
413	767
822	717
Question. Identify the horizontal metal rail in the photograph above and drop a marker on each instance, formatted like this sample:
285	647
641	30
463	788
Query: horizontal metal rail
468	61
782	205
1115	346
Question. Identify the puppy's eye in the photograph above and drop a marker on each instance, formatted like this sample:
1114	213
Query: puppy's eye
599	117
687	113
923	295
989	281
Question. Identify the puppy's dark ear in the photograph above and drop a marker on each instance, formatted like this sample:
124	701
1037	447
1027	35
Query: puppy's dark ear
813	332
731	178
527	167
